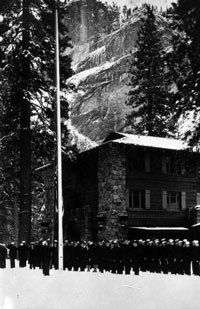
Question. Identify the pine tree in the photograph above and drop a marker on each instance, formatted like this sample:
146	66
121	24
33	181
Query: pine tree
184	65
149	93
28	65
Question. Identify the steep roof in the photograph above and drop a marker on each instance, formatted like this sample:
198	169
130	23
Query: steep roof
147	141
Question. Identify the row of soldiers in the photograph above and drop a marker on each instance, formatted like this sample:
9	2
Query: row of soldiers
115	256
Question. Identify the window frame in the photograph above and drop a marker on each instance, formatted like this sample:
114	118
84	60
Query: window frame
132	194
177	196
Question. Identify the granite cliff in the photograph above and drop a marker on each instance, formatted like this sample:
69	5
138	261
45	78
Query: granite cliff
99	86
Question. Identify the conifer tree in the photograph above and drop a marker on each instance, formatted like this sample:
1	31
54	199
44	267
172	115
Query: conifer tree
149	94
184	65
28	65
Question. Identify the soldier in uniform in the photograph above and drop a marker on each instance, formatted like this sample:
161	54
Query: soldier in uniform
171	256
46	257
55	254
156	256
3	255
142	254
187	257
32	256
12	254
107	256
195	258
84	255
135	258
126	248
76	255
164	256
23	253
68	255
118	259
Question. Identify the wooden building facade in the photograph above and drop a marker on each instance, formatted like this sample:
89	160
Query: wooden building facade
131	186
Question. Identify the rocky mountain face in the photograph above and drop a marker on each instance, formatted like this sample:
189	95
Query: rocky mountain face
99	86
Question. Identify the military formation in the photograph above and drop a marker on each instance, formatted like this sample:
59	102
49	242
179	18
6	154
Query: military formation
118	257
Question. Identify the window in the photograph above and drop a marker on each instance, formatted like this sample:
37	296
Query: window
174	200
137	199
138	162
171	166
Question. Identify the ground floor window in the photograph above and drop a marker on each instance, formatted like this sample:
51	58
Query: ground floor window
137	199
173	200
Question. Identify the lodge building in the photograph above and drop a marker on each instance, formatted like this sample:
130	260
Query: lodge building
132	186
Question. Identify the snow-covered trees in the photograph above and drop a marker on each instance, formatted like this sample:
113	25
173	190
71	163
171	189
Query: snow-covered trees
28	101
149	92
184	65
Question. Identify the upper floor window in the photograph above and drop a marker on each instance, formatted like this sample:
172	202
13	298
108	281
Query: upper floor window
171	166
138	162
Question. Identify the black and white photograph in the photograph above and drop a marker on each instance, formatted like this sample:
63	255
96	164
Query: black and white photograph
99	154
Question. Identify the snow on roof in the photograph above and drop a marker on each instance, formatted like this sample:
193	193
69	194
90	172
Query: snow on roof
158	228
151	141
196	225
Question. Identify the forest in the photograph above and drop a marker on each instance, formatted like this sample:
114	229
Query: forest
163	98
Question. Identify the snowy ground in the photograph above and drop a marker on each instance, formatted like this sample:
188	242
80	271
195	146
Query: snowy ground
29	289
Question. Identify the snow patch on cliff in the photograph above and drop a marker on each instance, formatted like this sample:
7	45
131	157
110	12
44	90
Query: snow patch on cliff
81	141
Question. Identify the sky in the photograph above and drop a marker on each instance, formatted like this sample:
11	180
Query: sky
134	3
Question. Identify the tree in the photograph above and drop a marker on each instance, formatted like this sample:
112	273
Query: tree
149	93
28	60
184	65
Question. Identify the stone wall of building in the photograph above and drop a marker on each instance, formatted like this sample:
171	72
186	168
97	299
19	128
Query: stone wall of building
112	212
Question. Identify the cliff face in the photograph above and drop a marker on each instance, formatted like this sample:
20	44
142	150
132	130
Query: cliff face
99	86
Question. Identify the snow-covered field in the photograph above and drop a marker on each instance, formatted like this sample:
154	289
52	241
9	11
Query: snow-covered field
29	289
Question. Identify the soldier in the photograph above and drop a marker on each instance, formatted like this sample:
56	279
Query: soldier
171	255
68	255
164	256
32	259
94	256
99	256
142	254
135	258
126	247
118	257
38	253
84	255
149	255
3	255
179	258
46	256
187	257
195	258
55	254
107	256
156	256
65	254
12	254
113	259
76	255
23	253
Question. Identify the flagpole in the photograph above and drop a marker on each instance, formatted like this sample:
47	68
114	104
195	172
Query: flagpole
59	151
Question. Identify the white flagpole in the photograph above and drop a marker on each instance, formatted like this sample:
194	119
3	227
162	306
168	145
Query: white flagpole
59	151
